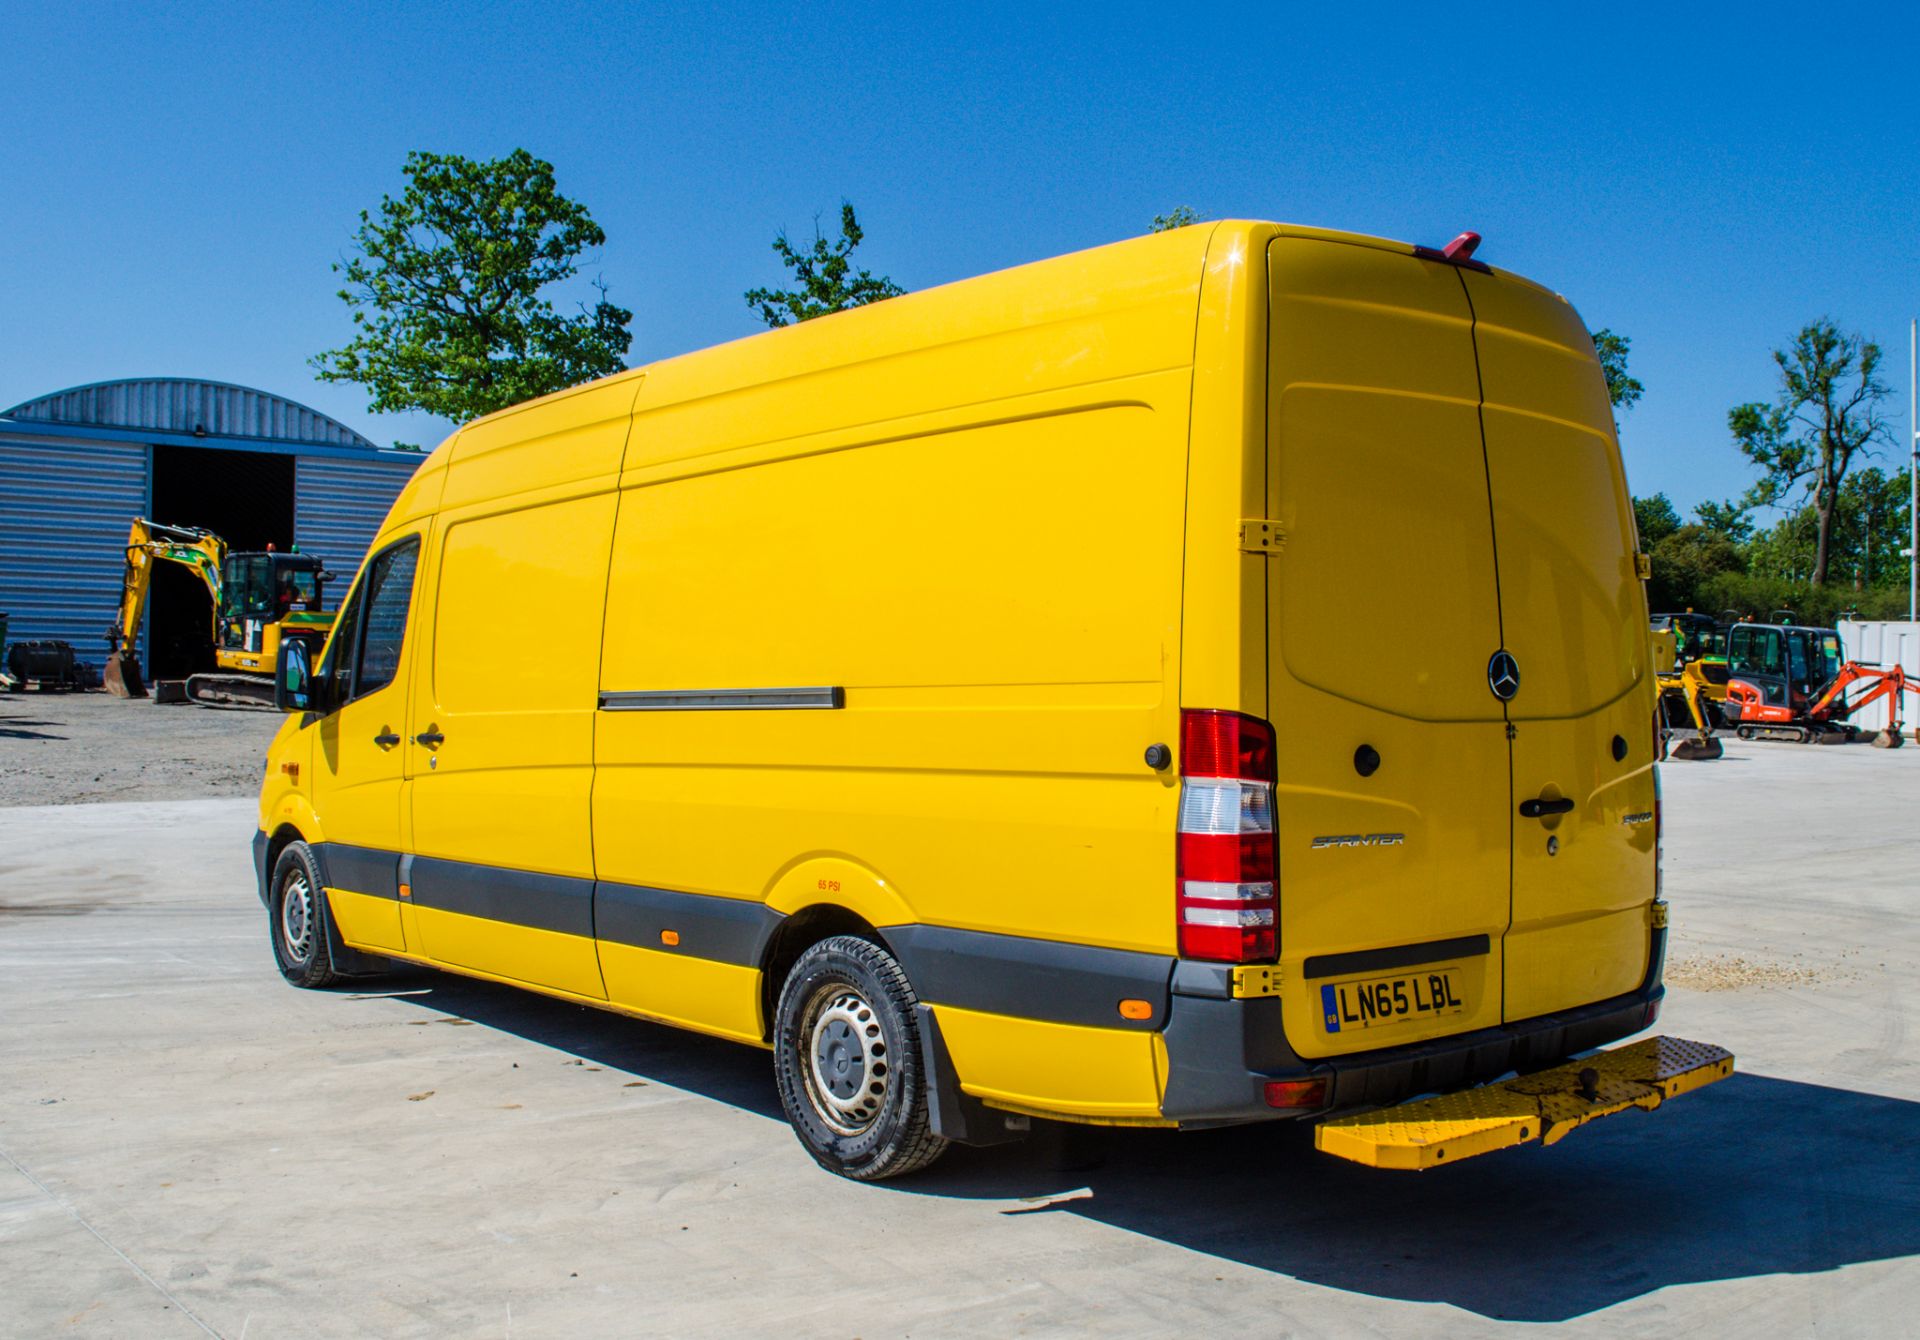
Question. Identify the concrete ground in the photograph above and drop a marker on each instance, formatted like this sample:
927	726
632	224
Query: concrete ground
189	1146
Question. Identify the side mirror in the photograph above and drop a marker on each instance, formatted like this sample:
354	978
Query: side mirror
295	689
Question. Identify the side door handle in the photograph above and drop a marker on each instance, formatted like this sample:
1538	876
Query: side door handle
431	738
386	739
1540	809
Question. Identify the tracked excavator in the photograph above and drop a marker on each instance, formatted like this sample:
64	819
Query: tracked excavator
258	599
1686	696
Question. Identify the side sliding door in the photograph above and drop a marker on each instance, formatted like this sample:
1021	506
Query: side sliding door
501	751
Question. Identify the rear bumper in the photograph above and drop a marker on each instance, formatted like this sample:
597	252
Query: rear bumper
1222	1051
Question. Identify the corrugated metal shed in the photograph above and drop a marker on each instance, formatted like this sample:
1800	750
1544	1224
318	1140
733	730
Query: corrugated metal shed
1883	642
64	509
338	505
193	408
77	465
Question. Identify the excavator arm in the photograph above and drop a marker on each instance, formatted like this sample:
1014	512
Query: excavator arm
149	543
1886	682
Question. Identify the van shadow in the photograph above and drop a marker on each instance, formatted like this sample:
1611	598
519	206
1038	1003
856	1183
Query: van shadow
1753	1176
726	1072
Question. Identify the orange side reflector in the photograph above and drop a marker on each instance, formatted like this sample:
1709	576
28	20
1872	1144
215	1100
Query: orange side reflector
669	937
406	890
1136	1009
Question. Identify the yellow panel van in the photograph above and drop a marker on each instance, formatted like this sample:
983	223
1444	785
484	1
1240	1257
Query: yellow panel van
1197	680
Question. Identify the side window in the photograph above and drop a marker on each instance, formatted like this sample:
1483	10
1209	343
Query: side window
1772	660
389	594
1740	650
1830	657
337	669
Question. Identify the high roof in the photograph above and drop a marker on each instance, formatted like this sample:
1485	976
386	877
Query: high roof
190	407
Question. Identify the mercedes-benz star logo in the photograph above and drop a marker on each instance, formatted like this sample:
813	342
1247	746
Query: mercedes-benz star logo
1503	675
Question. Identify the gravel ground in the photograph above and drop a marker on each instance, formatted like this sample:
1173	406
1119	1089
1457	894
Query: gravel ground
70	748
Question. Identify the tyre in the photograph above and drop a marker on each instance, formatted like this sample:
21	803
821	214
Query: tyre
846	1051
297	919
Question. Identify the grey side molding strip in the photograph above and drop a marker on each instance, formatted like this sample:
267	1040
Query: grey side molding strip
722	700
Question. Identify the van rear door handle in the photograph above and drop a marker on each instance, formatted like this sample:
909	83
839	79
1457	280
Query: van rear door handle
430	738
386	739
1540	809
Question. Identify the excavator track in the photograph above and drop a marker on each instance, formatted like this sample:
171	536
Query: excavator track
231	690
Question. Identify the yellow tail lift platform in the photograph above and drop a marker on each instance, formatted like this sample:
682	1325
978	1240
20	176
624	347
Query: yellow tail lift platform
1545	1106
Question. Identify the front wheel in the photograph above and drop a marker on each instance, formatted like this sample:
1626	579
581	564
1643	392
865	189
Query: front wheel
846	1053
297	912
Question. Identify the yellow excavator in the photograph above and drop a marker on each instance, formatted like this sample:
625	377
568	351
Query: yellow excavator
1687	697
258	598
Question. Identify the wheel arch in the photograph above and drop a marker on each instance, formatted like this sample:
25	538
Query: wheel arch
798	932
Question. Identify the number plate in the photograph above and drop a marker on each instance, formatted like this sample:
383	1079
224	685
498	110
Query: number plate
1372	1002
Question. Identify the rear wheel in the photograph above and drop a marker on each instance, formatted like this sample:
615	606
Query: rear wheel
297	912
847	1058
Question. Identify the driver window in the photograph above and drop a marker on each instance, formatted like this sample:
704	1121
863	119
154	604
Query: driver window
337	669
390	584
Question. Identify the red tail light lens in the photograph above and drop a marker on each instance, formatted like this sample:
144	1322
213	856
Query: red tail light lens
1226	892
1225	744
1297	1093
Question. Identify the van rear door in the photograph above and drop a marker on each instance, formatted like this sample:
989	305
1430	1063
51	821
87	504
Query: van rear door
1573	615
1383	611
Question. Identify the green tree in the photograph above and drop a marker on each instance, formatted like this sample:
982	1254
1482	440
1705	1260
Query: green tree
1685	561
445	291
825	280
1728	518
1622	390
1870	527
1785	551
1655	519
1177	217
1827	414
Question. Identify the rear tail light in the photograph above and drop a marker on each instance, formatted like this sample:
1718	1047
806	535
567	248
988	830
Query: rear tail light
1297	1092
1226	889
1659	844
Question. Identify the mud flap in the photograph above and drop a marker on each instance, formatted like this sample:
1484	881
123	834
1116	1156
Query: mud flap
956	1115
1542	1107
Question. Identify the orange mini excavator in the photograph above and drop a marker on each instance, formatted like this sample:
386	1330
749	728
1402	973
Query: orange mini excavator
1826	718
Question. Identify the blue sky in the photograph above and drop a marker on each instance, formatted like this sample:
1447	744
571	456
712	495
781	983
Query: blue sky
177	181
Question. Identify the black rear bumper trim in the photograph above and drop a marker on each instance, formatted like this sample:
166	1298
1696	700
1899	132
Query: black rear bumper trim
1398	956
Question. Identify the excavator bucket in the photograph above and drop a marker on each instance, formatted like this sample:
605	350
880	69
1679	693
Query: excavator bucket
122	676
1890	738
1697	748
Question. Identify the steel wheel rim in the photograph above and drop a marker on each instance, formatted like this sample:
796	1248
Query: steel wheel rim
848	1073
296	917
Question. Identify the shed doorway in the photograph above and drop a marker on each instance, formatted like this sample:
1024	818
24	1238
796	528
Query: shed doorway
246	498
